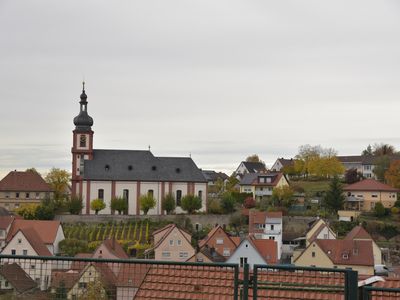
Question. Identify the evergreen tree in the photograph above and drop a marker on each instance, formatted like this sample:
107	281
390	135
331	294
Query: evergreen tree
334	198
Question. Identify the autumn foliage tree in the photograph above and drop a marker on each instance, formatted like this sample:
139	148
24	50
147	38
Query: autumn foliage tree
392	175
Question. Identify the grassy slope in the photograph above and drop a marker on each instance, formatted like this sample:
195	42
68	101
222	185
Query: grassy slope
311	187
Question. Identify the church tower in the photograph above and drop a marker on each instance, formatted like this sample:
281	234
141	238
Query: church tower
82	146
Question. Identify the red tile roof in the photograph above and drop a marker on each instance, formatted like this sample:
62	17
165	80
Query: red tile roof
357	252
17	277
370	185
6	221
167	230
132	275
115	248
24	182
47	230
358	232
187	282
68	278
260	217
267	249
204	241
35	241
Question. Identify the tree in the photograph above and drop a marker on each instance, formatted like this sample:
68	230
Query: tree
97	205
334	198
228	203
254	158
383	149
392	175
45	211
74	205
94	291
147	202
59	181
168	203
379	209
32	170
231	183
352	176
119	204
367	151
191	203
283	196
249	202
381	166
27	211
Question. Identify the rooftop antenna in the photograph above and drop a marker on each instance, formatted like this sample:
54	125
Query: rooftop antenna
149	147
190	154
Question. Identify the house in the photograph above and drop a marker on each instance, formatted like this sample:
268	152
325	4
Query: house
358	233
220	242
282	163
355	254
246	167
105	174
14	280
50	232
171	244
18	188
255	251
262	184
207	255
212	177
364	164
267	225
27	242
363	195
5	224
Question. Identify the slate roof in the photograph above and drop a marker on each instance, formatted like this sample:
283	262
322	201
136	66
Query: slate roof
133	165
17	277
364	159
286	162
212	176
370	185
24	182
252	178
254	167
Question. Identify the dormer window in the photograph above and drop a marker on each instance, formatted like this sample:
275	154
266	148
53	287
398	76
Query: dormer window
153	168
345	256
107	168
130	168
177	170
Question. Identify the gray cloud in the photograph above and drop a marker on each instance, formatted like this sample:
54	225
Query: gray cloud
218	79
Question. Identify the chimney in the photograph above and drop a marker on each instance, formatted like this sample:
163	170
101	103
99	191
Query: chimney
224	227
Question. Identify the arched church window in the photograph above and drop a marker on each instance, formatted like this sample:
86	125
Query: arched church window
82	141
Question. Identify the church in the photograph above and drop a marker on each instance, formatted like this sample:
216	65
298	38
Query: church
105	174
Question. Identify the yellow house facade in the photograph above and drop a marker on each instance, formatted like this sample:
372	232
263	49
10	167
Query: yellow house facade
364	195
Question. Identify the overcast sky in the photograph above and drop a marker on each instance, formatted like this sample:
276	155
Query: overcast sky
218	79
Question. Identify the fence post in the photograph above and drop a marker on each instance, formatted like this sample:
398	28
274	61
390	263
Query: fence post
246	281
351	285
255	273
236	283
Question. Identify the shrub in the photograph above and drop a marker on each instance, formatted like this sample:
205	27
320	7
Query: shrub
93	245
119	204
27	211
147	202
191	203
249	202
70	247
213	207
168	203
97	205
74	205
228	203
395	210
379	209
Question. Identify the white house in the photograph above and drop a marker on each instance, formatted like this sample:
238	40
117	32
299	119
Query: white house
267	225
262	184
253	251
246	167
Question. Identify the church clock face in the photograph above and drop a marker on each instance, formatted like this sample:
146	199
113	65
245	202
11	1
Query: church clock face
82	141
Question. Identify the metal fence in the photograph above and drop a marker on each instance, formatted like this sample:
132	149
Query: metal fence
32	277
379	293
29	277
288	282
